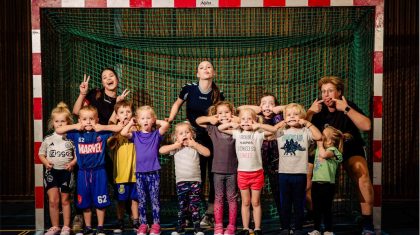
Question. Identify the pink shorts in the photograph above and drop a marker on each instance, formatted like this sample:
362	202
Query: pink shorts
253	180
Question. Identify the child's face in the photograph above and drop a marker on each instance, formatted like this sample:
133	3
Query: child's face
88	119
183	133
329	92
146	120
109	80
267	105
224	114
327	135
124	114
292	117
247	120
205	70
59	119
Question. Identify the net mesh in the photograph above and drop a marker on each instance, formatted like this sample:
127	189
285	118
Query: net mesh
283	51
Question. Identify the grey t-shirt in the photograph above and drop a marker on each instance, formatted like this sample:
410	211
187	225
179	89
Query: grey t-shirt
224	154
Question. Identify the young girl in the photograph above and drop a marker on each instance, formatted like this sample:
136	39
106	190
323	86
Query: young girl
146	142
57	155
199	97
250	171
124	158
327	157
269	109
293	138
187	172
225	165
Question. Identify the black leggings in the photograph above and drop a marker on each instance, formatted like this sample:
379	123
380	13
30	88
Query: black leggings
206	164
322	199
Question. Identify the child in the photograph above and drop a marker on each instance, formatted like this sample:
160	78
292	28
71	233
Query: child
327	157
90	138
124	158
146	142
57	155
293	138
225	165
250	171
187	171
269	110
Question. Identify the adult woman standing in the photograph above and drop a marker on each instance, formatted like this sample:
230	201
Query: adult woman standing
199	97
344	115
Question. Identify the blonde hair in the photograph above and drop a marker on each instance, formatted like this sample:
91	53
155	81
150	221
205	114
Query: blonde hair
213	108
89	108
254	115
336	81
298	107
173	136
146	108
337	137
60	108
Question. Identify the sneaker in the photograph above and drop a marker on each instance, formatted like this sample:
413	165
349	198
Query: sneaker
78	222
53	231
218	229
120	226
155	230
65	230
142	230
100	231
244	232
230	230
257	232
368	232
136	224
315	232
198	232
284	232
328	233
207	221
87	231
178	232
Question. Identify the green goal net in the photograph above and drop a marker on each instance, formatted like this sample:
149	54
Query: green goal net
284	51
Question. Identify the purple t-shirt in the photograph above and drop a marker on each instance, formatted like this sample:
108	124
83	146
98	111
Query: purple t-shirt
224	154
147	149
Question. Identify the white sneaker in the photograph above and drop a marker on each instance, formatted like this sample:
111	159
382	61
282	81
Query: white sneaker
65	230
328	233
315	232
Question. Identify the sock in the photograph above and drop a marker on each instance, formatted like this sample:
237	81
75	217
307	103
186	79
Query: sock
368	222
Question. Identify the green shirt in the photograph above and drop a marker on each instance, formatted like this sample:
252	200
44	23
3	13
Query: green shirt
325	169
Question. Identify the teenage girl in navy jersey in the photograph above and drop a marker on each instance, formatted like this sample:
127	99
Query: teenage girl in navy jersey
199	97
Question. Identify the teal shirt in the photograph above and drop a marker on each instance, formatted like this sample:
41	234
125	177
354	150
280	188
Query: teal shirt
326	169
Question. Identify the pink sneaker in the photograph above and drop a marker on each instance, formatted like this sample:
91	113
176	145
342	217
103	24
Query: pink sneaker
218	229
155	229
142	230
53	231
230	230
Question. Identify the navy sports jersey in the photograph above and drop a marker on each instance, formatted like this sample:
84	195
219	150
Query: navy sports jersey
103	103
90	147
198	102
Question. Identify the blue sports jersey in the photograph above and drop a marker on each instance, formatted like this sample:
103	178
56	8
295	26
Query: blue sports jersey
90	147
198	103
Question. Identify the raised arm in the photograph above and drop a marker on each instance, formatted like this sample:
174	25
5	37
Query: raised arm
315	108
113	128
361	121
227	127
201	149
166	149
84	88
204	120
322	152
256	108
279	109
64	129
164	126
126	129
316	134
174	110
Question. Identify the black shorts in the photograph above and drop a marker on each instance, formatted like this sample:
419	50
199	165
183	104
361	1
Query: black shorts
62	179
352	148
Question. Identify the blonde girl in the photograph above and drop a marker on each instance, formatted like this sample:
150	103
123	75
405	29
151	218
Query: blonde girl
146	142
57	155
250	170
225	165
187	172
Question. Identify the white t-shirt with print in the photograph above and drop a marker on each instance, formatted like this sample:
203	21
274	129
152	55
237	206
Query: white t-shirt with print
187	165
248	149
58	150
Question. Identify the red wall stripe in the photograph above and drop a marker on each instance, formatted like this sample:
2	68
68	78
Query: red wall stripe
319	3
37	145
229	3
377	190
36	64
39	197
377	106
274	3
185	3
377	150
378	62
367	2
141	3
37	102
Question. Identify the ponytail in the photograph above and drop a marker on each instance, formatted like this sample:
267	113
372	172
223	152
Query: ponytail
215	97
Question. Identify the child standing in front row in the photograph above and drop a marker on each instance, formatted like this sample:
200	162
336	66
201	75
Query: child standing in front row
250	170
123	156
225	165
188	175
146	142
294	137
57	155
327	157
90	138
